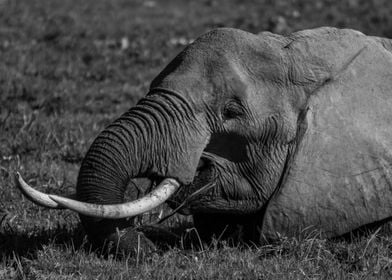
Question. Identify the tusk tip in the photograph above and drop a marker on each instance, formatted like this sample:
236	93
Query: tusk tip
33	195
18	180
21	184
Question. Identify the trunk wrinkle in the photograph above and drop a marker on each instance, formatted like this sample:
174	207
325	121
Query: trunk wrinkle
169	94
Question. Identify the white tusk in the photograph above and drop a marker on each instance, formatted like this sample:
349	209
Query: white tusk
117	211
35	196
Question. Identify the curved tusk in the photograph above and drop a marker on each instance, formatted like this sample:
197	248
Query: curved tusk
35	196
117	211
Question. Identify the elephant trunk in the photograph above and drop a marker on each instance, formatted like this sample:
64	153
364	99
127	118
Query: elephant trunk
159	138
108	165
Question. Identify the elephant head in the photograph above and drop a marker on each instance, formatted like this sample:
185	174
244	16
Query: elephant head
275	133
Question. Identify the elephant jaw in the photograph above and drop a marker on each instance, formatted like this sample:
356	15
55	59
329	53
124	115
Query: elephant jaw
115	211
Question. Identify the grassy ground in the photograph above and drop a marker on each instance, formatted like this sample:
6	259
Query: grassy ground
68	68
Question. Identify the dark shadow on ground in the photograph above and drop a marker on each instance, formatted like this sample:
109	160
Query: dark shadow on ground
27	243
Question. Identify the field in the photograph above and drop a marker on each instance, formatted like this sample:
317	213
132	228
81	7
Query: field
68	68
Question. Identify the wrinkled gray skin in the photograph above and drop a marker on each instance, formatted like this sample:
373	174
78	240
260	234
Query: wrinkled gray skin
291	133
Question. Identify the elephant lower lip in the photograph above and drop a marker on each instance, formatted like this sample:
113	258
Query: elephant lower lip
202	163
206	161
204	178
206	172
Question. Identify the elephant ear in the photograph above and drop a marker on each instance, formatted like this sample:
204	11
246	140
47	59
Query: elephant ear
340	177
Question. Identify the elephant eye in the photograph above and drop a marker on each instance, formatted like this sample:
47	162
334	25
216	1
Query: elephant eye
232	110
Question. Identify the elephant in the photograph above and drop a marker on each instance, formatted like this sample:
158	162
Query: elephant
255	135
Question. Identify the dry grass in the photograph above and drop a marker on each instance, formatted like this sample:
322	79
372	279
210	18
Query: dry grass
68	68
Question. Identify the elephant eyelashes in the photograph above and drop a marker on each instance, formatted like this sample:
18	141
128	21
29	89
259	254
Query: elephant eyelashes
232	110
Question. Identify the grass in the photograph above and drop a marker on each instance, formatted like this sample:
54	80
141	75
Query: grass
308	258
68	68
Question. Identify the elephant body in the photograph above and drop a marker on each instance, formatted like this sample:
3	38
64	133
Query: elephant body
267	135
340	178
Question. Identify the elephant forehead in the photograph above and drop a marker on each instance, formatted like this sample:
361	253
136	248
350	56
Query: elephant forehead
224	61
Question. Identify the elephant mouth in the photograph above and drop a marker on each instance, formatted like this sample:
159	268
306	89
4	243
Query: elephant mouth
203	182
205	172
